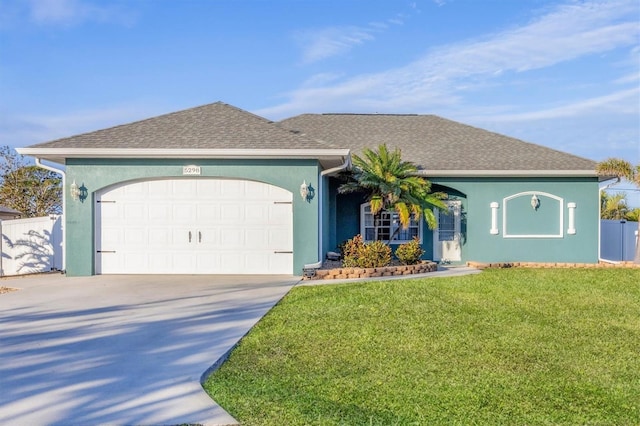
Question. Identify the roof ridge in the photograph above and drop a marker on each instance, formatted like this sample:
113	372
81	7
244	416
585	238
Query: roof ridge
373	114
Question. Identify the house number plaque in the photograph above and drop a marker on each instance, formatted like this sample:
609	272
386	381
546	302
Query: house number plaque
191	170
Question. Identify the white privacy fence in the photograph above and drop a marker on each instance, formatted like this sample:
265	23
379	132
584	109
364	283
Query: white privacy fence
618	239
31	245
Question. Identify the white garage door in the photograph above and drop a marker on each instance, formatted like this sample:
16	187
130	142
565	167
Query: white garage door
194	226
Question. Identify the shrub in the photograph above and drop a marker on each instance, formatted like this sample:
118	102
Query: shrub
357	254
351	250
375	255
410	253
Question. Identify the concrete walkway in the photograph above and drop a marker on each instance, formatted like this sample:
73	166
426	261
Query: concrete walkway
127	350
122	350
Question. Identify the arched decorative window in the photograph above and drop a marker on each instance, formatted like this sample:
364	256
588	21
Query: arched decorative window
387	227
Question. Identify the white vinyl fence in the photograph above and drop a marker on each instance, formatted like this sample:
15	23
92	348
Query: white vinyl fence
618	239
31	245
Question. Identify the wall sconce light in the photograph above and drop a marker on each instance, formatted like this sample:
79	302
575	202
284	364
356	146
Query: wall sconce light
535	202
74	191
306	191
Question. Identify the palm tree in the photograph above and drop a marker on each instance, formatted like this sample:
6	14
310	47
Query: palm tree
618	169
392	184
613	207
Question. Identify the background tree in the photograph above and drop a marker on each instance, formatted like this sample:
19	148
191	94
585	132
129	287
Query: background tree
29	189
613	207
392	184
619	169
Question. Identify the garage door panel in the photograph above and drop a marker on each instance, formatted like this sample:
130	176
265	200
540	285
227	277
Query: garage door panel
133	191
181	238
159	212
279	239
256	213
155	190
233	239
258	238
208	262
109	262
207	212
280	214
134	261
112	237
209	238
282	263
231	213
160	262
136	237
159	237
135	211
194	226
183	189
183	262
231	263
183	213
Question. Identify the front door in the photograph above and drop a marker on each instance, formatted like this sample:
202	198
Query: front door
446	238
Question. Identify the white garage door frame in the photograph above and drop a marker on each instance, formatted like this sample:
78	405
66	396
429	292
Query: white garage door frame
193	226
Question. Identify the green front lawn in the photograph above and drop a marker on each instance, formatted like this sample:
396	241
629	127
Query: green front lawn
519	346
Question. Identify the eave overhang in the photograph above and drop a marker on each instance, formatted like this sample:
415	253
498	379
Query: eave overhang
507	173
328	158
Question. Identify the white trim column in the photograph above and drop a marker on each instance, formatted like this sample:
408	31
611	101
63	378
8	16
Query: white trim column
571	230
494	218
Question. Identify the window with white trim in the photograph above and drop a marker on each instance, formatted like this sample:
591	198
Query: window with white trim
385	225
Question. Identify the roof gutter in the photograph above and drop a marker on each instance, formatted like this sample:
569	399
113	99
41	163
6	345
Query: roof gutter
64	208
62	153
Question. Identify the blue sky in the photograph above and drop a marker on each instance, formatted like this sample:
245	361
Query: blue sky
563	74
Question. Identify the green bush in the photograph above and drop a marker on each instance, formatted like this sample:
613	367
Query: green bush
351	250
375	255
410	253
357	254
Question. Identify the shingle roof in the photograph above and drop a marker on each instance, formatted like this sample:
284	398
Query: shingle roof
8	210
435	143
213	126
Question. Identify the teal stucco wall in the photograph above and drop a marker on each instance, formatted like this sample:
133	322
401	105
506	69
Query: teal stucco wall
96	174
525	234
540	235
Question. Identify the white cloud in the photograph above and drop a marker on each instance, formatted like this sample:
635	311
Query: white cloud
330	42
325	43
567	32
622	102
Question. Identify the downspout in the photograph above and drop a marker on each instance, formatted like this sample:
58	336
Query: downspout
64	209
328	172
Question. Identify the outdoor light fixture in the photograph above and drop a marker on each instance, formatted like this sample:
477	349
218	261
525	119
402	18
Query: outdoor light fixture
304	190
535	202
75	191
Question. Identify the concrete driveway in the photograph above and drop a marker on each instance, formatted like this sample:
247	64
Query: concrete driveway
122	350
